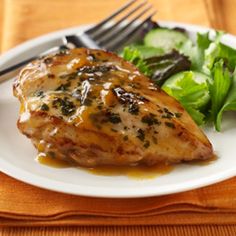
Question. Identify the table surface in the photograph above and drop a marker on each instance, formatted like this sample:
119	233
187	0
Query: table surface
33	19
21	20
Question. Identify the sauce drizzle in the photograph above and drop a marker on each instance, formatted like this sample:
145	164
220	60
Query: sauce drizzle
138	172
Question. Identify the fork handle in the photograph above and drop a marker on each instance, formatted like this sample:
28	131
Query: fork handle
69	41
12	71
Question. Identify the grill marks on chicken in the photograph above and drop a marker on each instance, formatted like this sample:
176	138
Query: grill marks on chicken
93	108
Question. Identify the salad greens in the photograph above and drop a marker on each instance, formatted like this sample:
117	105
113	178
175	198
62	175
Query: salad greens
217	51
219	89
148	51
158	67
229	104
200	74
164	66
133	55
196	51
191	89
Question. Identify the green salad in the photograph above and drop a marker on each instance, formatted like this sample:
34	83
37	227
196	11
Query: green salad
200	74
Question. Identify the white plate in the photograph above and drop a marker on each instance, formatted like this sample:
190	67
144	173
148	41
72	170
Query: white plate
17	155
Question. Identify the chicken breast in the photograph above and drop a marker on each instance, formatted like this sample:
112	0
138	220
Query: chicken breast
93	108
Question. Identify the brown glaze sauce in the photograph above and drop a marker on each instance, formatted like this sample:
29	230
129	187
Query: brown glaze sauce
52	162
138	172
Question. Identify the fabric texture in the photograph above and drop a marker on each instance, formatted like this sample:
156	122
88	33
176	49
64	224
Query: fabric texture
25	205
190	230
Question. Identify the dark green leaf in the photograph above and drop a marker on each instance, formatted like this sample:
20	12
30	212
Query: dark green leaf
203	41
166	65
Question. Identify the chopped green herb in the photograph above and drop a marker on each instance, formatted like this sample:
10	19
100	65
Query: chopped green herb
178	115
94	69
67	107
63	87
141	134
114	118
167	116
44	107
170	125
168	112
133	109
150	120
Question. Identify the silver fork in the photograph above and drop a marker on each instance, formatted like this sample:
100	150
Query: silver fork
110	34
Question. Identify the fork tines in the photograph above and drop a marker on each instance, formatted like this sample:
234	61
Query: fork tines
119	28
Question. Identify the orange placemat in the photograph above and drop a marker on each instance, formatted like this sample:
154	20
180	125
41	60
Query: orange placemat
25	205
191	230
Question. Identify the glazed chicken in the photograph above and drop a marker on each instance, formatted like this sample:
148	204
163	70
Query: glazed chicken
90	107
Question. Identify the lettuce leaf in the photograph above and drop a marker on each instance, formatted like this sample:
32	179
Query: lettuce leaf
197	116
230	102
195	52
134	56
219	90
229	56
211	54
218	51
191	90
203	41
191	51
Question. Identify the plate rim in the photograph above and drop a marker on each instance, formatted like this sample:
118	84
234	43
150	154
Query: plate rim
77	189
93	191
